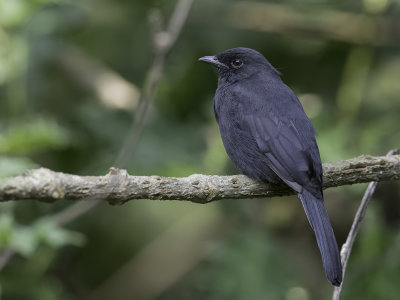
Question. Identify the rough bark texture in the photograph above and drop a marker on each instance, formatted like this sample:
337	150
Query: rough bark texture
118	187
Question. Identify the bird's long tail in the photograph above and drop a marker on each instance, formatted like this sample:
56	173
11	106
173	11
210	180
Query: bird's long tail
319	220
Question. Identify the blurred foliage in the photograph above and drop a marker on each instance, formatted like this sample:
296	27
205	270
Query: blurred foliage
52	116
32	137
25	239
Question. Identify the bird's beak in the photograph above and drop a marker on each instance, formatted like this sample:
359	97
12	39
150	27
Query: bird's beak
213	60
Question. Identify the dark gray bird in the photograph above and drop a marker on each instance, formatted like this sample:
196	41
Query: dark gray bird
268	136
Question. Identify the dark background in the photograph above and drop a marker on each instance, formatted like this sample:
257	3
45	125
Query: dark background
70	77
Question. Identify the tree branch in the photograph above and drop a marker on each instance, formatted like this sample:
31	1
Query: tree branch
118	187
355	228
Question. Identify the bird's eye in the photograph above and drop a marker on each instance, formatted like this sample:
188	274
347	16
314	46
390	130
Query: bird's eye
237	63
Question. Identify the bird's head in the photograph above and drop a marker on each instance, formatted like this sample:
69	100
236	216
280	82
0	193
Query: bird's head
239	63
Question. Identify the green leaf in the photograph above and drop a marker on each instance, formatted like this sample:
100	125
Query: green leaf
23	241
6	221
55	236
32	137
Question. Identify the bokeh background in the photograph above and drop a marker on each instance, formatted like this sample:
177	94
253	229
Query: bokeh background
71	76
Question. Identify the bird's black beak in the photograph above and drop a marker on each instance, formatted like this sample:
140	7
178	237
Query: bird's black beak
213	60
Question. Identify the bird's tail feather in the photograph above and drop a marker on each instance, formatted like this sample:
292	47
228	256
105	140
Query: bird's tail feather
319	220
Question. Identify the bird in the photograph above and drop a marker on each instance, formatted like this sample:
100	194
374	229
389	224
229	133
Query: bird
269	138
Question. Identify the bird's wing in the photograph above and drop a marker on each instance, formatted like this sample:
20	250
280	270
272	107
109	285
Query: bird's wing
290	148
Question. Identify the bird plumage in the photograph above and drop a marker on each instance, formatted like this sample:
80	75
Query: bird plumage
268	136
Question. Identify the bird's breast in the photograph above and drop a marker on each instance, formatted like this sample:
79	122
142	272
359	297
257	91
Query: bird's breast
238	141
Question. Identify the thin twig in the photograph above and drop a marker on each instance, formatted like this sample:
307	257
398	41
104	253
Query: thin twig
162	44
355	227
74	211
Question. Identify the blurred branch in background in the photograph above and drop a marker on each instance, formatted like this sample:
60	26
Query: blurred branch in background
162	40
109	87
318	23
355	227
118	187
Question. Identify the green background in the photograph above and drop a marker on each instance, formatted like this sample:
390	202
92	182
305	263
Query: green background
64	67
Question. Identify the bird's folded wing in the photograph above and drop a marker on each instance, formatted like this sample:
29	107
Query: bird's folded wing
288	151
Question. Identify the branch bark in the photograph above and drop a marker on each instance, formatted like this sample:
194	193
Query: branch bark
118	187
